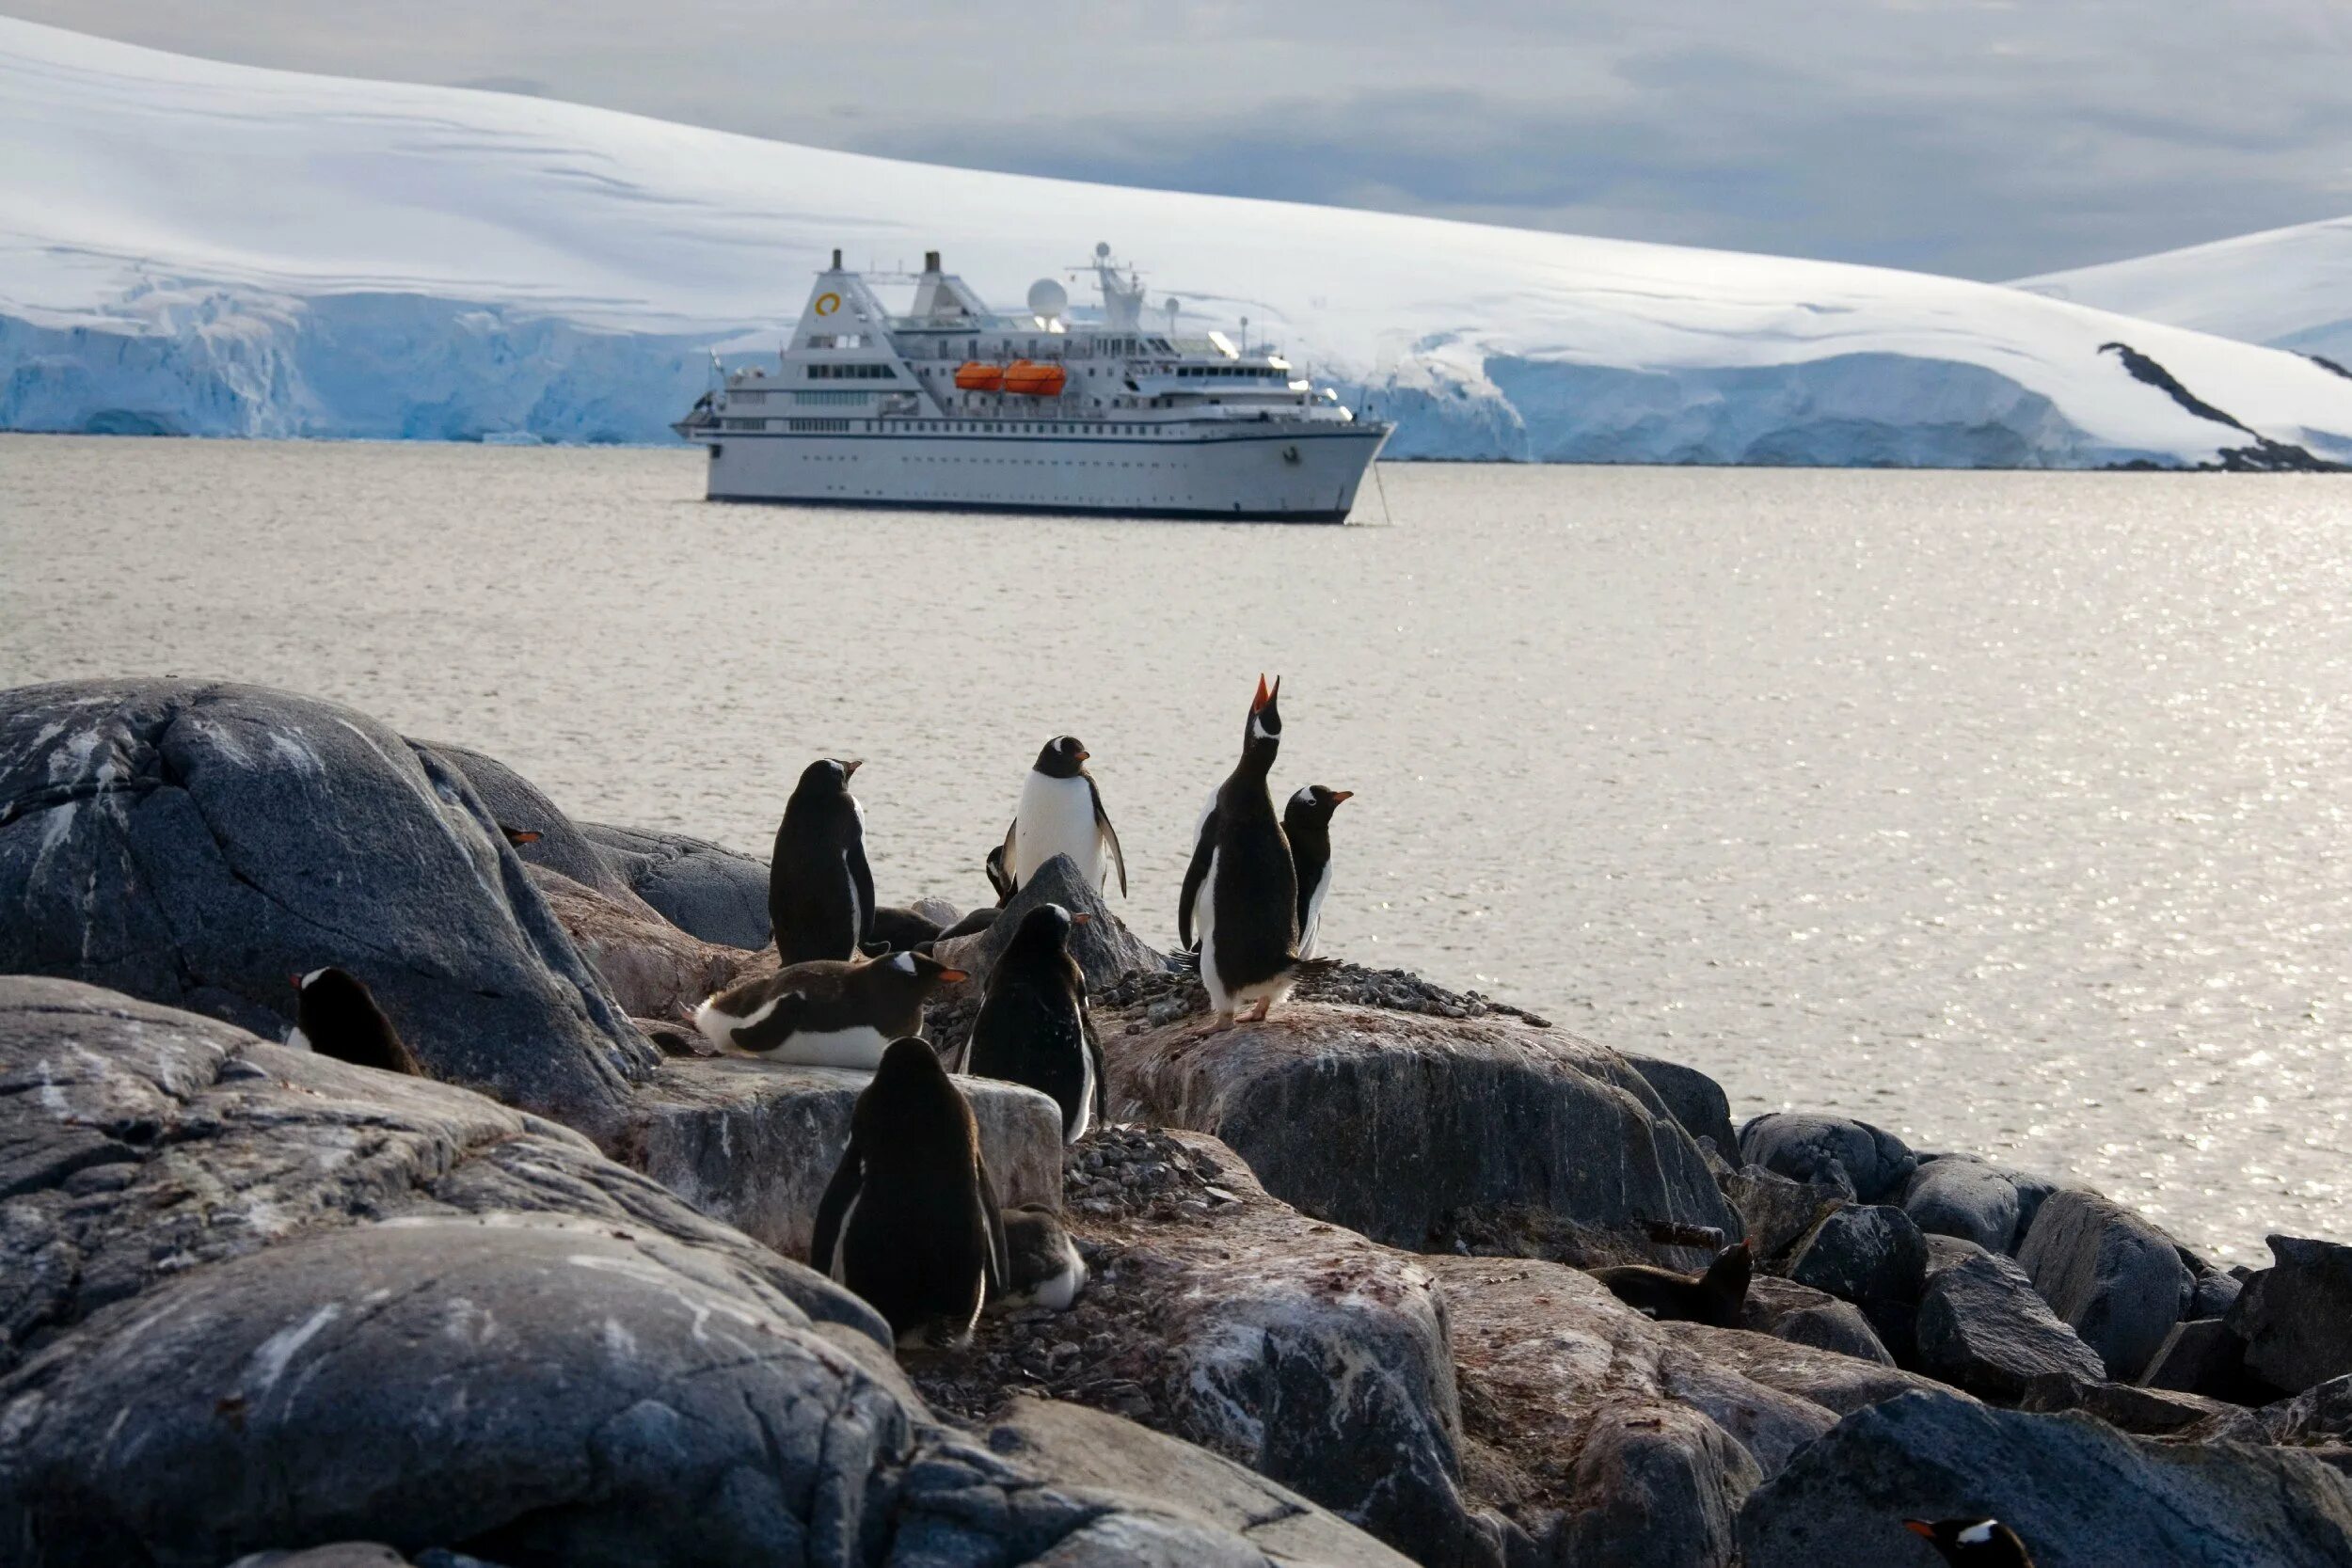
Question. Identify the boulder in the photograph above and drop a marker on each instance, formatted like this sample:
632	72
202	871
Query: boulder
1983	1327
1103	946
753	1143
1778	1212
2146	1411
2296	1315
1873	1256
714	893
277	1302
1957	1194
2320	1413
1862	1161
653	969
2115	1278
2213	1293
1697	1102
196	844
1396	1124
561	847
2080	1494
2204	1355
1804	1316
1835	1382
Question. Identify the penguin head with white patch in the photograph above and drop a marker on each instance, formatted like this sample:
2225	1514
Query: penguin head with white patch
1972	1542
1316	804
1265	733
1044	930
1064	757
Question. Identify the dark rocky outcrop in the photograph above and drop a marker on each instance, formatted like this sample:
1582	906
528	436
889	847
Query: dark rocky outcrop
1392	1124
1804	1316
257	1299
1103	946
2081	1494
2116	1279
1872	1256
2296	1315
2145	1412
1697	1102
2320	1413
554	841
717	894
653	969
1981	1326
1861	1160
1959	1195
2204	1355
1776	1211
196	844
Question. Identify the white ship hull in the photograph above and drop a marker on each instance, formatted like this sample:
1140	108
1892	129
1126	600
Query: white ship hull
1305	472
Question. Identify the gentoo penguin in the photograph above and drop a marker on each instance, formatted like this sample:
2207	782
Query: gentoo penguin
828	1012
902	930
1973	1542
998	878
1307	823
821	894
1061	814
1241	883
1041	1263
336	1016
909	1220
1714	1297
1034	1027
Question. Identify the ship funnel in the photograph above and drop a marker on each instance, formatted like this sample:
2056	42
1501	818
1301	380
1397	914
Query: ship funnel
930	260
836	258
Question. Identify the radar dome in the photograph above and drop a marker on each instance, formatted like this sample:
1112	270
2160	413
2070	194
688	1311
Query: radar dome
1103	249
1048	298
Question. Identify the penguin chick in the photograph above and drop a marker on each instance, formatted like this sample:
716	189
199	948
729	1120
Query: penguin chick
1307	823
821	893
1034	1026
1061	814
1973	1542
909	1221
1042	1263
335	1015
828	1012
1714	1297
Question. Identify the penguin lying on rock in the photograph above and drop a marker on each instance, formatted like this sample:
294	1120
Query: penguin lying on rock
1973	1542
1042	1263
1034	1026
828	1012
1242	883
821	892
1714	1297
336	1016
909	1221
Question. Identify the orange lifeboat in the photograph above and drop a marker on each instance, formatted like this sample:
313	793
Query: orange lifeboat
1027	378
975	376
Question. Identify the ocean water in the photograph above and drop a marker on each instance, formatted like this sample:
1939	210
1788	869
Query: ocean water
2008	810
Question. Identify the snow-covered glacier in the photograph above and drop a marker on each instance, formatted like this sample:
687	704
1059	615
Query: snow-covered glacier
2289	288
214	249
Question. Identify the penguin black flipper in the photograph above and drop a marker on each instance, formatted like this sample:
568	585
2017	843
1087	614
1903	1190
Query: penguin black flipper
998	1271
840	1193
1108	834
784	1020
1000	864
862	878
1203	851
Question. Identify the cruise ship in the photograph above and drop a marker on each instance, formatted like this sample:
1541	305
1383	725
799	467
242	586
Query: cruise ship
952	404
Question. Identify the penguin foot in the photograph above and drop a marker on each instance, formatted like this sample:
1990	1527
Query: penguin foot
1219	1023
1258	1015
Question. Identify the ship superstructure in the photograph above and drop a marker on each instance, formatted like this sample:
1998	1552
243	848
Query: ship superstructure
949	404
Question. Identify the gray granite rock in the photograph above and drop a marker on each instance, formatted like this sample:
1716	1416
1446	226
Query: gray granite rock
2204	1355
2114	1278
1873	1256
1103	946
196	844
1981	1326
2143	1411
1957	1195
2296	1315
1865	1162
653	969
2079	1493
1393	1124
1697	1102
1804	1316
718	893
259	1300
2322	1412
519	804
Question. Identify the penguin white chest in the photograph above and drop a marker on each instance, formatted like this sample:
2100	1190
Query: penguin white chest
1312	925
1057	817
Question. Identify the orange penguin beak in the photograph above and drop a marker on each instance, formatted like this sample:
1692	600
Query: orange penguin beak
1083	754
849	768
1920	1527
1258	703
1339	795
294	980
1080	918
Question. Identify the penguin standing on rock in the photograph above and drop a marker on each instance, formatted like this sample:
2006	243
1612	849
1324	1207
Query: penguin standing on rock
1242	884
1713	1297
336	1016
821	893
910	1219
827	1012
1034	1026
1061	814
1307	823
1973	1542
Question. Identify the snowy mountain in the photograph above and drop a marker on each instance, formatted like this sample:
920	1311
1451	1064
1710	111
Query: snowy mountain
2290	288
186	246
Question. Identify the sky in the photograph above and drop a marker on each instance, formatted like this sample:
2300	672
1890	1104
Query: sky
1974	138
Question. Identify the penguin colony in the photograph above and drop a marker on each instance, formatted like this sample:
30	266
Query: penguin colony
909	1220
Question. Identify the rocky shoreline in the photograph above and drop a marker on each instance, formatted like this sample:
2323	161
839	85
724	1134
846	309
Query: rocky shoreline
543	1306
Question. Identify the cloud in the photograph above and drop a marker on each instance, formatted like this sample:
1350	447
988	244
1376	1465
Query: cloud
1969	137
